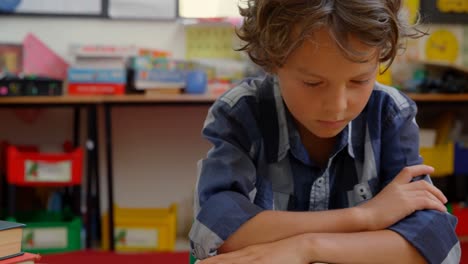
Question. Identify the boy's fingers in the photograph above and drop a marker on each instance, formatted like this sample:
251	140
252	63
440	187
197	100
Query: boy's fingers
408	173
426	203
425	186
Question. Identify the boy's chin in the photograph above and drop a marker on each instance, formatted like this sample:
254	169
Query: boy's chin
326	133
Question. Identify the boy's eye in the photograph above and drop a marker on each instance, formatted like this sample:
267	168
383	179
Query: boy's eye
360	82
312	84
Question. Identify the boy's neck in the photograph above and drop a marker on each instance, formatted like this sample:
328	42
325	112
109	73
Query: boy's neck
319	149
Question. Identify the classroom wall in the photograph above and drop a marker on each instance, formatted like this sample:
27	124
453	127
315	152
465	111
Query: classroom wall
58	33
155	148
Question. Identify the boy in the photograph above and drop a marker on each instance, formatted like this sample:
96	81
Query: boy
317	162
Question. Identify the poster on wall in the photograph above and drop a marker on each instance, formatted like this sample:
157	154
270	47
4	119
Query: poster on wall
445	11
143	9
52	7
210	42
443	45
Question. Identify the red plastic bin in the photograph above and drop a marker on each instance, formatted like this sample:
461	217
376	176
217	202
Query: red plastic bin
461	212
32	168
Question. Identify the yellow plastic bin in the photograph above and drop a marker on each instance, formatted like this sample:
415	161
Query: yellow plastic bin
441	157
142	229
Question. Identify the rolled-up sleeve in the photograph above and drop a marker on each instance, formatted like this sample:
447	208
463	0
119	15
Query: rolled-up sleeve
432	233
226	181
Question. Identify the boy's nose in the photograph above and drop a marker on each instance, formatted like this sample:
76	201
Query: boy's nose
335	102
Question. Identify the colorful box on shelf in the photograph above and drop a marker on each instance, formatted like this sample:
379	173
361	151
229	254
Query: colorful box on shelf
440	157
44	169
30	86
91	75
50	232
159	78
142	230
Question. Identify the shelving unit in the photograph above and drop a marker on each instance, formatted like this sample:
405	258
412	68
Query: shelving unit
76	104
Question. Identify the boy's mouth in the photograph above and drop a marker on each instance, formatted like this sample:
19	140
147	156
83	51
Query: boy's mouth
331	124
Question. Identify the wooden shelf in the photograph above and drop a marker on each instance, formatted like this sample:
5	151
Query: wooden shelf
18	100
160	98
175	98
439	97
118	99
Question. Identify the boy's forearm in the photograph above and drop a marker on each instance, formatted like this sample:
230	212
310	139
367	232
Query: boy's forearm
383	246
270	226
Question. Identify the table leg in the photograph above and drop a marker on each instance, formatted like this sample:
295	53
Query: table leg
110	183
91	143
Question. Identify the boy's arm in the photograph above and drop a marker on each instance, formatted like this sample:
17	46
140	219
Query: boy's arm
367	247
432	233
398	200
259	229
382	246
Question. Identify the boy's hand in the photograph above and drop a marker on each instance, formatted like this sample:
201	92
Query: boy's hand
401	198
293	250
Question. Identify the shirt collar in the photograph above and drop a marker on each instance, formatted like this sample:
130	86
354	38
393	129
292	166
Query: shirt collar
299	151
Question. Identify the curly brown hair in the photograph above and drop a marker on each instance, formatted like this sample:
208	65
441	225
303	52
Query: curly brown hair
268	27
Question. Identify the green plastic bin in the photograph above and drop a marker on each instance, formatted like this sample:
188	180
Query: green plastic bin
50	232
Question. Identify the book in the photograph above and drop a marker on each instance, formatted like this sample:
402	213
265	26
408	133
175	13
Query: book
161	79
101	56
11	235
103	51
26	258
95	89
95	75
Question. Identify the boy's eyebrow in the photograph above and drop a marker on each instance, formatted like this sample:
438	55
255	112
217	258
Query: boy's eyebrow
305	71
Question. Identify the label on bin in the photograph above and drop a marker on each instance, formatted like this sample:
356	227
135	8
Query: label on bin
45	238
42	171
136	237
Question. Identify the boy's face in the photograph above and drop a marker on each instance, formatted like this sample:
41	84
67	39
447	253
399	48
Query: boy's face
322	88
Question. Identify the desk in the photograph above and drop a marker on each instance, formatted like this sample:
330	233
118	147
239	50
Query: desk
92	178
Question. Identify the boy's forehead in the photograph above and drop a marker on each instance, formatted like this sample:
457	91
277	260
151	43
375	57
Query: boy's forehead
320	54
321	42
324	40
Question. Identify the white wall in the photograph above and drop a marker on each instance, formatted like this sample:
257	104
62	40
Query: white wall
155	148
58	33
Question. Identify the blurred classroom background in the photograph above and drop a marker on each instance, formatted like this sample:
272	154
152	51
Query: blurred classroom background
102	104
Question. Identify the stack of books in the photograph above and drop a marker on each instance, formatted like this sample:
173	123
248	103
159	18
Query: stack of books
11	236
156	75
99	69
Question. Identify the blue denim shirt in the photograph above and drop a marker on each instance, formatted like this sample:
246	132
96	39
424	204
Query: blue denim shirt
259	163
